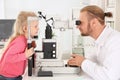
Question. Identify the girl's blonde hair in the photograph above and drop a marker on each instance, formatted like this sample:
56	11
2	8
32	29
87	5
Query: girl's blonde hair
18	26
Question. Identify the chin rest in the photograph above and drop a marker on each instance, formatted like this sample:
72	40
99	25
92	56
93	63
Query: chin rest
45	74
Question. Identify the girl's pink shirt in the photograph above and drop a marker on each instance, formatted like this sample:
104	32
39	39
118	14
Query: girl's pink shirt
13	61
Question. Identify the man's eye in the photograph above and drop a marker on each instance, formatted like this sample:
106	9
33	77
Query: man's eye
78	22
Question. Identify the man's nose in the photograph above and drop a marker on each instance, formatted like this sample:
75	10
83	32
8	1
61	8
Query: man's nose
77	26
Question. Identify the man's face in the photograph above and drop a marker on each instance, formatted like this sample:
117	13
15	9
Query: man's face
84	27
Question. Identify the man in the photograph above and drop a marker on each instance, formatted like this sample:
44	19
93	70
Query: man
107	40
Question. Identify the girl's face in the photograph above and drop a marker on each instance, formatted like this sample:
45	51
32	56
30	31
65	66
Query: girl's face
34	28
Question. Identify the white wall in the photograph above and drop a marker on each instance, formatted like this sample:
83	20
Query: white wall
2	9
51	7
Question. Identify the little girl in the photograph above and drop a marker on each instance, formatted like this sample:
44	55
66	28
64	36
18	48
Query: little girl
15	52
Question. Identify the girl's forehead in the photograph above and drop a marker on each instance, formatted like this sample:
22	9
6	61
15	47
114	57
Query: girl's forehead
34	22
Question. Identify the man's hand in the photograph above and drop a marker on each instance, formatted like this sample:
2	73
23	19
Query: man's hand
76	60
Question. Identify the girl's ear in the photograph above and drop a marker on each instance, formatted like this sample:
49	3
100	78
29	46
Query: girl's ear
25	28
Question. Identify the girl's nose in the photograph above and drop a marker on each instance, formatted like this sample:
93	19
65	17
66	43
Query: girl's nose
37	28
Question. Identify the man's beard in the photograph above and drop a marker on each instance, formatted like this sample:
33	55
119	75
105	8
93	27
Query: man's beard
89	30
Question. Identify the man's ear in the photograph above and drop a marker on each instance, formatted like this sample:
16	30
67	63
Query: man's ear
93	22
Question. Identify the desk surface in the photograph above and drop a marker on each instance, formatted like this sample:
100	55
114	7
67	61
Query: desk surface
80	76
53	78
57	76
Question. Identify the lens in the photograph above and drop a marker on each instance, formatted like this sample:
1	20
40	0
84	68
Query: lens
78	22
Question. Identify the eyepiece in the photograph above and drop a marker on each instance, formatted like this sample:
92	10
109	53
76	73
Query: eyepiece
78	22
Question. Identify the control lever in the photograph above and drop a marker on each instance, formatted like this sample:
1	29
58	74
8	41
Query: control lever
31	59
66	65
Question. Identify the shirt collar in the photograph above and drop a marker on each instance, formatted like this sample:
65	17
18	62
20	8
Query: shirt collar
103	36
